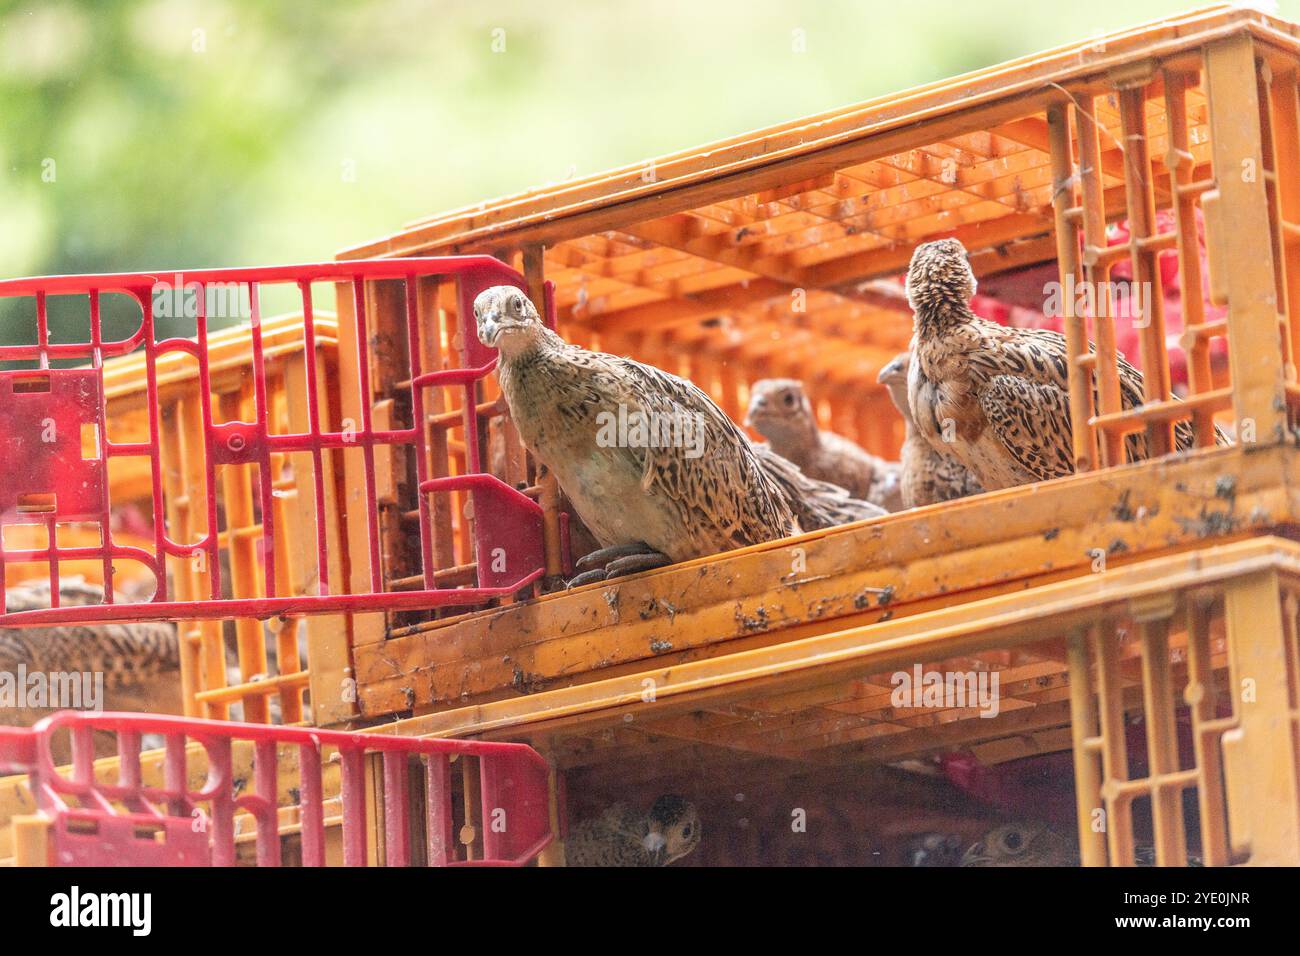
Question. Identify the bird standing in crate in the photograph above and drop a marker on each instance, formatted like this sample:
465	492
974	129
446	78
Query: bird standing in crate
996	398
780	411
622	837
653	467
928	475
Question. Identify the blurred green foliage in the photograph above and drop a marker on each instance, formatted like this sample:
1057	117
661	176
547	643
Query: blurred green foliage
190	133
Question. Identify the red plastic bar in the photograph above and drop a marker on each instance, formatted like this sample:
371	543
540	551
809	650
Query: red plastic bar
131	823
46	480
397	811
438	823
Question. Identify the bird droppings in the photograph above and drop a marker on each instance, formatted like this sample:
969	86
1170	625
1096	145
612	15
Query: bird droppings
409	694
820	609
1123	511
652	606
758	622
1209	523
527	683
862	600
1117	547
1225	486
660	647
1051	534
611	601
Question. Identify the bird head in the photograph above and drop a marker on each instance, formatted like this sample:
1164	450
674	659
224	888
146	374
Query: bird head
506	319
940	276
778	406
674	828
894	377
895	373
1021	844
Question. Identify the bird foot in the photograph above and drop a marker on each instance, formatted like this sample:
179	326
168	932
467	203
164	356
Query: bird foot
603	556
636	562
613	562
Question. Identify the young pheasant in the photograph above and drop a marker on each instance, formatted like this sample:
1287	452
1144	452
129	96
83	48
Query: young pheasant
1022	844
928	475
780	411
140	662
997	398
652	466
622	837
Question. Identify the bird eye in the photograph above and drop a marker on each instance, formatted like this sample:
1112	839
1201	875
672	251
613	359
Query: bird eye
789	399
1012	840
687	830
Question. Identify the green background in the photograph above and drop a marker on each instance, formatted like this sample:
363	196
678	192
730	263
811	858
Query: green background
192	134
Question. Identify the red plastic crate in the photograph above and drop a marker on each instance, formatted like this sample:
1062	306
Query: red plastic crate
47	478
129	823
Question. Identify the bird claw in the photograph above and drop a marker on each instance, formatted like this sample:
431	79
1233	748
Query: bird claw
586	577
601	557
607	563
636	562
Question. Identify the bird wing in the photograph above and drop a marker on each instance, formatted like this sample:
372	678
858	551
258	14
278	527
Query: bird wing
1032	421
1029	366
817	504
724	486
1043	354
127	654
953	479
73	592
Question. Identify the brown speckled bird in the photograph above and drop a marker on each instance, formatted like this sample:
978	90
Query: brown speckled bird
140	662
1019	843
683	483
928	475
996	398
780	411
1022	844
622	837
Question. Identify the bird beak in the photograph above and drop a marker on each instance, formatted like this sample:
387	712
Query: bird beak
488	330
654	842
975	854
491	324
